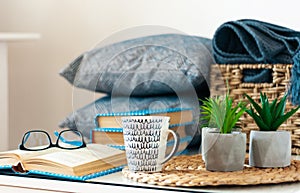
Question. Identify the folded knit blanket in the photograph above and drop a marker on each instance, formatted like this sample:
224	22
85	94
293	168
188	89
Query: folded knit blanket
252	41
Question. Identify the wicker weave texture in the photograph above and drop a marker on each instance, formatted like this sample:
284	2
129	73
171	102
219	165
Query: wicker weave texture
281	74
190	171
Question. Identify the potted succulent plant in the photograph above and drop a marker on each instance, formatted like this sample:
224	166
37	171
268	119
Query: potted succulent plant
269	147
224	149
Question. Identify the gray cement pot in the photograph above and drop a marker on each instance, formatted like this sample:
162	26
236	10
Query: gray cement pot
205	130
224	152
270	148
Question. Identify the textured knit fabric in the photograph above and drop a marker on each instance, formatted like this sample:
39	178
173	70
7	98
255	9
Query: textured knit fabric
295	83
252	41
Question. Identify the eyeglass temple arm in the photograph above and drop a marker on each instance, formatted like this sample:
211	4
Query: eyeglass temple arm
26	138
75	143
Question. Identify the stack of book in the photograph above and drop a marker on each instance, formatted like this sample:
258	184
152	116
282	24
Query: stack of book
109	130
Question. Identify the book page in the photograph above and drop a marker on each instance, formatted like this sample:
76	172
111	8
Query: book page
73	158
23	154
103	151
67	158
8	161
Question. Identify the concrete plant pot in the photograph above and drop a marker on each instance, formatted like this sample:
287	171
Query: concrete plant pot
205	130
224	152
270	148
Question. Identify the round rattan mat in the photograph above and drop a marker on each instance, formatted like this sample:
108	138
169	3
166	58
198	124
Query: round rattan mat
190	171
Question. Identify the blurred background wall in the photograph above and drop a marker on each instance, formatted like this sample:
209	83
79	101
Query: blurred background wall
40	98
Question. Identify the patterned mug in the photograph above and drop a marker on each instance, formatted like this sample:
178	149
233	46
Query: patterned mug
145	140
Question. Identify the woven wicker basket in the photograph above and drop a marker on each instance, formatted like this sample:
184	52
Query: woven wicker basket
281	74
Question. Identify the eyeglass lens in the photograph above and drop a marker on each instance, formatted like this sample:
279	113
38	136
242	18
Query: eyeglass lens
36	140
70	139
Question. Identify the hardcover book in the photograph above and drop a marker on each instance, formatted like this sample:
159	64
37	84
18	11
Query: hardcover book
178	116
109	130
113	137
79	164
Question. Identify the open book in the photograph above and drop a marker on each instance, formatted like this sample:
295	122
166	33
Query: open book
79	164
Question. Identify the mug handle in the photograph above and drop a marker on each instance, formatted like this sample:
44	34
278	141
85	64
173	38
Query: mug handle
175	147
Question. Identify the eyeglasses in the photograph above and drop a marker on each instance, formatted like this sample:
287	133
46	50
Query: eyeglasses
36	140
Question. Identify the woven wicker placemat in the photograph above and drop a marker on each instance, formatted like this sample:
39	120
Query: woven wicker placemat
190	171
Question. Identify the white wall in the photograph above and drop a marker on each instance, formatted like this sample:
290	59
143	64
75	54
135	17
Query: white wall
40	98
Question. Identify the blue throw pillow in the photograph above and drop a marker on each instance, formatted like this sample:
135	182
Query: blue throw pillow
146	66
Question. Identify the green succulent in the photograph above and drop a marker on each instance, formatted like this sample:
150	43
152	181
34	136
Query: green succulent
269	116
221	112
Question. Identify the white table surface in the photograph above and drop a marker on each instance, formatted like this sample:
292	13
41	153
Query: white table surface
117	183
282	188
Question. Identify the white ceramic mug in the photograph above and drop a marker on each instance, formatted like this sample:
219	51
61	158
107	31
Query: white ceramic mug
145	139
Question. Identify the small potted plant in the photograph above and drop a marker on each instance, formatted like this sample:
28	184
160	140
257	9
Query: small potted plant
224	149
269	147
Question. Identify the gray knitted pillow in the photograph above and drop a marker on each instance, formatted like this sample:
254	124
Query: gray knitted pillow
151	65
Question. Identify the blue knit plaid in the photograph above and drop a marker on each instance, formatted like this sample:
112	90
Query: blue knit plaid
251	41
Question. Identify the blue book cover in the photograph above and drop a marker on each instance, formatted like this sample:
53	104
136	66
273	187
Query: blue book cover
8	170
